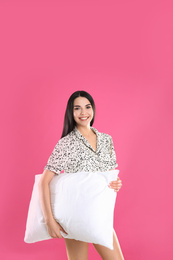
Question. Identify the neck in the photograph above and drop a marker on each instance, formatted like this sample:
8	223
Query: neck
85	130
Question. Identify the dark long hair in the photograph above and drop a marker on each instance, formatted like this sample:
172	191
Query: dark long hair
69	122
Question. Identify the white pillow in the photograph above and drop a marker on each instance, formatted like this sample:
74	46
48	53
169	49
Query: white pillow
82	203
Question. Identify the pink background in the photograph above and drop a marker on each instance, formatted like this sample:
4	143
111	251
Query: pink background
121	53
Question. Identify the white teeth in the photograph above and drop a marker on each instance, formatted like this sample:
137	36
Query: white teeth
83	117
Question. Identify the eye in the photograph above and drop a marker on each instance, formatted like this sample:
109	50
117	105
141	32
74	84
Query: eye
76	108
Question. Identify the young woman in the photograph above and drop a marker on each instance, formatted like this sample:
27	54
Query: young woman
81	148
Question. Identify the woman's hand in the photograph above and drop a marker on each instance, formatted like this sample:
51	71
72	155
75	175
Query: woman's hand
53	228
116	185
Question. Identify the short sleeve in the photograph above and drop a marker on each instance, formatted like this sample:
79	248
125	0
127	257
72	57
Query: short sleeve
56	160
113	161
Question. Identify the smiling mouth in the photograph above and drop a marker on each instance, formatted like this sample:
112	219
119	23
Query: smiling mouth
83	118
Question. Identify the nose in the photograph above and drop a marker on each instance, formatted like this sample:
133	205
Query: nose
82	112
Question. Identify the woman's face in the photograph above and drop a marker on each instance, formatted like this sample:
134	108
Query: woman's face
82	111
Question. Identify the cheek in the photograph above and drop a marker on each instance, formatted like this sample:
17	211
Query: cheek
75	114
91	113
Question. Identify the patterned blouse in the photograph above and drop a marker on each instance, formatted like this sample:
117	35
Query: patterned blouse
73	153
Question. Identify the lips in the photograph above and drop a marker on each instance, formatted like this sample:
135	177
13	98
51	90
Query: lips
83	118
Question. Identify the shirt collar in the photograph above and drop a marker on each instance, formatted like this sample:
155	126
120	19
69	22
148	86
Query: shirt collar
81	137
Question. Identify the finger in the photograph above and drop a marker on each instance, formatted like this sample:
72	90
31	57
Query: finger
115	188
117	185
114	182
64	231
61	228
59	235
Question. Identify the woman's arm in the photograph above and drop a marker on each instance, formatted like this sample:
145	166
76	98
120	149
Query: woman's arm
44	194
116	185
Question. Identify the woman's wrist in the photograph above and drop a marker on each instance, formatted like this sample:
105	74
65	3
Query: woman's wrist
49	219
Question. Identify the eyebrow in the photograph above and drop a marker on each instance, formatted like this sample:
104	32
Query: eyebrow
79	106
